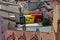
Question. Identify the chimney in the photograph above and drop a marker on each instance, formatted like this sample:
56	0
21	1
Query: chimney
37	29
24	27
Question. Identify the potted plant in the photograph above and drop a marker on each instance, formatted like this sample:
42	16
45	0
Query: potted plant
46	22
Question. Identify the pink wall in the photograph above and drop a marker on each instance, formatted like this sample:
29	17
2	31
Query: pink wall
3	28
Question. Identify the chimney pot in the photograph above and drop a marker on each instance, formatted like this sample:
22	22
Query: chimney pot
24	27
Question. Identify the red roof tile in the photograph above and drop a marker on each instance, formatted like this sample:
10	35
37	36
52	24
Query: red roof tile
47	36
28	34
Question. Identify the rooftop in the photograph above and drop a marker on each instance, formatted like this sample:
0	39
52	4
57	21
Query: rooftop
29	34
47	36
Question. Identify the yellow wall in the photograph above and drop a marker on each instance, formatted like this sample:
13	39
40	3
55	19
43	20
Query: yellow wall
54	35
29	19
55	22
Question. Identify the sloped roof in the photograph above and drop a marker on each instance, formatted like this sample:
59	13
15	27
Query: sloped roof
28	34
47	36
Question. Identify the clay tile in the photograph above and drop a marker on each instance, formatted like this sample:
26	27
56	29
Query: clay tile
13	33
34	37
22	37
24	34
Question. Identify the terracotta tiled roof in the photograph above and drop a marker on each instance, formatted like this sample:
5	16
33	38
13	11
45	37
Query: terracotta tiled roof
28	34
31	34
47	36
